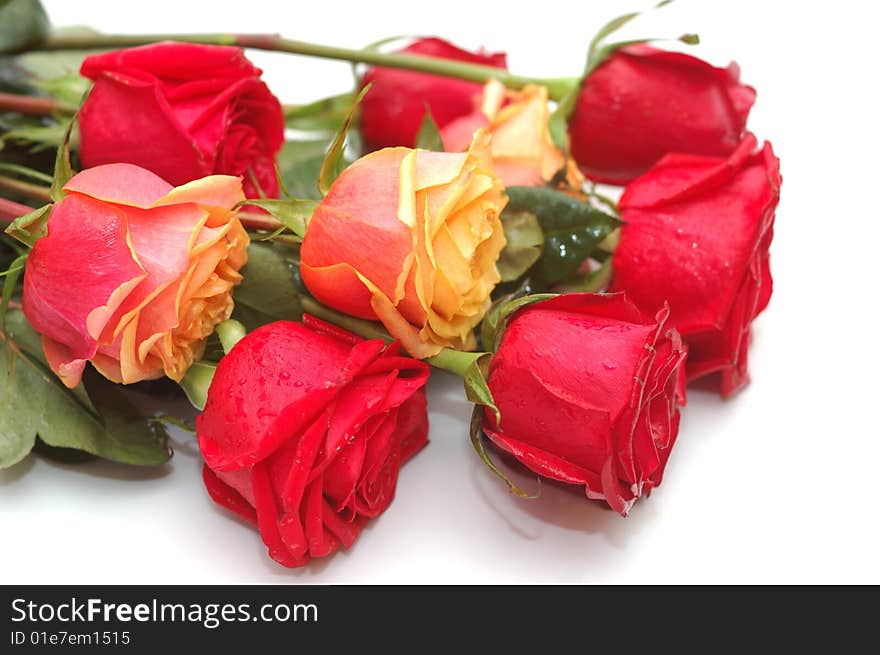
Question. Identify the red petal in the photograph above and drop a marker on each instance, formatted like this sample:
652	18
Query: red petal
714	273
224	495
393	110
643	103
173	60
270	386
67	306
126	118
267	520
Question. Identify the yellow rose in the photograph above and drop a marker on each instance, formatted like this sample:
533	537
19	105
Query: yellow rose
523	153
411	238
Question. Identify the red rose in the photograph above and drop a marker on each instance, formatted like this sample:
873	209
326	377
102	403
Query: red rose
696	234
304	432
183	111
588	389
393	110
643	103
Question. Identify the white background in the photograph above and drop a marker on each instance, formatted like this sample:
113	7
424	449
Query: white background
777	485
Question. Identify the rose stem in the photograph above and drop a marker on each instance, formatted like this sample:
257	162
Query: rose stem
455	361
256	221
25	188
556	87
34	105
10	210
41	106
360	327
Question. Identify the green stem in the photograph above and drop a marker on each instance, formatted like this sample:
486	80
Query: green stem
458	362
25	188
358	326
455	361
34	105
557	87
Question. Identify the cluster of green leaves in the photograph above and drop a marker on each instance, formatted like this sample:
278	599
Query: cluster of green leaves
97	417
50	74
550	234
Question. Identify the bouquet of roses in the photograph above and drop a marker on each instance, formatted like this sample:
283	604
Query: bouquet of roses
174	233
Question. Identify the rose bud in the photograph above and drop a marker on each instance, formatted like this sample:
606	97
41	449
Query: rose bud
304	432
410	238
133	273
588	388
183	111
523	153
393	111
642	103
696	234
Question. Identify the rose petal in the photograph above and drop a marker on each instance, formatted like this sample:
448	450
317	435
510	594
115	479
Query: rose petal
71	316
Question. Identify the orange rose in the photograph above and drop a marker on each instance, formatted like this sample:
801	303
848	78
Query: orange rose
523	153
410	238
133	273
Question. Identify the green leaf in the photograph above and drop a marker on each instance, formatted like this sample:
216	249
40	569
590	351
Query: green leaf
230	333
12	274
34	403
299	165
428	136
478	442
476	385
22	22
293	214
129	436
197	381
69	90
31	226
31	131
572	230
610	28
325	115
179	423
268	291
26	171
63	169
54	73
617	23
598	52
525	242
334	161
473	369
52	64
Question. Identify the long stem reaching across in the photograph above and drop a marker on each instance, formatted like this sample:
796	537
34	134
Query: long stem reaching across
25	188
34	105
557	87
